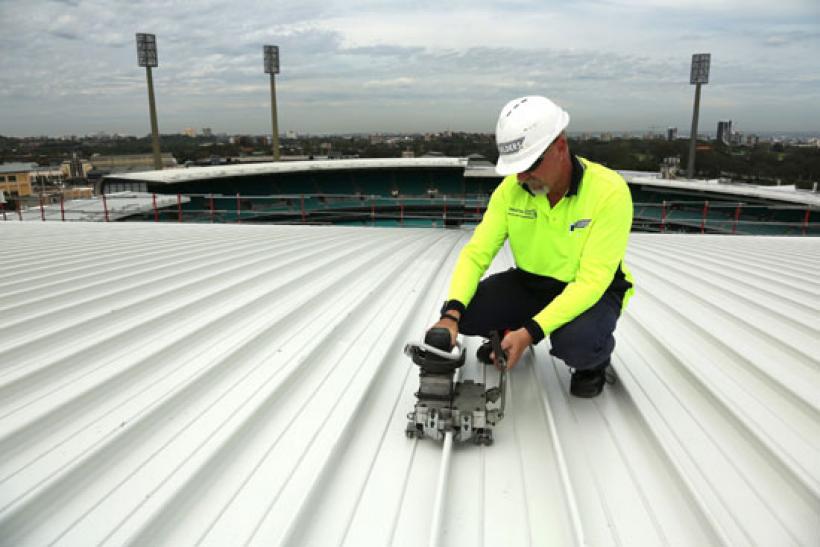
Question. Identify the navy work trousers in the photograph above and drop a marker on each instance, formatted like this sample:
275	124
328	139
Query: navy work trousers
508	299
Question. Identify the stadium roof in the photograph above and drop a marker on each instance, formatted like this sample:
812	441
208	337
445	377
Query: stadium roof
221	171
778	193
171	384
169	176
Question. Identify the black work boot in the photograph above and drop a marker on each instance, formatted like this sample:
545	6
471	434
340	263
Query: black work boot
589	383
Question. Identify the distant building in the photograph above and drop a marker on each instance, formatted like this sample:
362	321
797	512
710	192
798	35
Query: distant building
752	140
43	177
408	154
736	138
206	132
291	135
672	134
670	167
189	131
75	168
724	132
15	178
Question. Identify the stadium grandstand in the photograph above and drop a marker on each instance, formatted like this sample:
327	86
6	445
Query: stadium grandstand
430	191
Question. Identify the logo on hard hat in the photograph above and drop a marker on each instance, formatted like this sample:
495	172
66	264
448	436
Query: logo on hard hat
510	147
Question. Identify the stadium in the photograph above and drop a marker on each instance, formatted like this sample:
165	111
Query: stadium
443	192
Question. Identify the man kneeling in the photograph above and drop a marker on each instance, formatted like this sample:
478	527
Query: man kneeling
568	221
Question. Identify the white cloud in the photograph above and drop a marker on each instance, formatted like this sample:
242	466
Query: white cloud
373	65
392	82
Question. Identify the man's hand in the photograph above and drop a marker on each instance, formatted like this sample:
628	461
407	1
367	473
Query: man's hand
450	325
514	344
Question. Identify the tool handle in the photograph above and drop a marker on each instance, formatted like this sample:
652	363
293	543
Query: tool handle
500	355
438	338
501	365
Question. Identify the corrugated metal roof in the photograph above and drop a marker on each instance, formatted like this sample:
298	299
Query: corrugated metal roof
211	172
221	385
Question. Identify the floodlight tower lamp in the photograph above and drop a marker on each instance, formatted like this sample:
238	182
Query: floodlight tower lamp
272	68
147	57
698	75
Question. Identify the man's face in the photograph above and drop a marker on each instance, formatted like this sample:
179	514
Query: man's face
545	175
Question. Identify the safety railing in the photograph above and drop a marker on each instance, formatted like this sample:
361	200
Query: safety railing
410	210
725	217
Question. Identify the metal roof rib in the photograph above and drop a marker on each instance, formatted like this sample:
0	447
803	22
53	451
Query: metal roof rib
214	384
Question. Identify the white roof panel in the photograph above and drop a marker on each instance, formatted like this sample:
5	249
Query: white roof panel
236	170
216	384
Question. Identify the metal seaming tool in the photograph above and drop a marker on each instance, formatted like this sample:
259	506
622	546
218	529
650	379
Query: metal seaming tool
443	404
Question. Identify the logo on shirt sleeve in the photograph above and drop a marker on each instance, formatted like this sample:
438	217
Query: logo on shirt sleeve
583	223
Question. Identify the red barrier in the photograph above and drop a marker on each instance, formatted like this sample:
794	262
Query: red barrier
42	210
105	206
663	217
238	210
62	207
401	213
806	221
737	218
179	207
211	206
703	220
445	210
154	204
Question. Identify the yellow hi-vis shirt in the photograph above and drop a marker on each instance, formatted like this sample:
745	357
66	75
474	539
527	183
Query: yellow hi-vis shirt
581	241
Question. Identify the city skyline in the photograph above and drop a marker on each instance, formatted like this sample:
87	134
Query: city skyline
655	133
69	67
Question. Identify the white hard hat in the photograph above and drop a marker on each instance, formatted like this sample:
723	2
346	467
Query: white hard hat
525	128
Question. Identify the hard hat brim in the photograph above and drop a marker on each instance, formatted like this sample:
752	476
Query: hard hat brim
511	166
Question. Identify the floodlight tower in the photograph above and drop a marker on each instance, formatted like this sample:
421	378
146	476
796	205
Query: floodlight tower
272	68
699	74
147	57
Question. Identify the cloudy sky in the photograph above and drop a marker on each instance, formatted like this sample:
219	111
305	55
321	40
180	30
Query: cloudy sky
69	66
